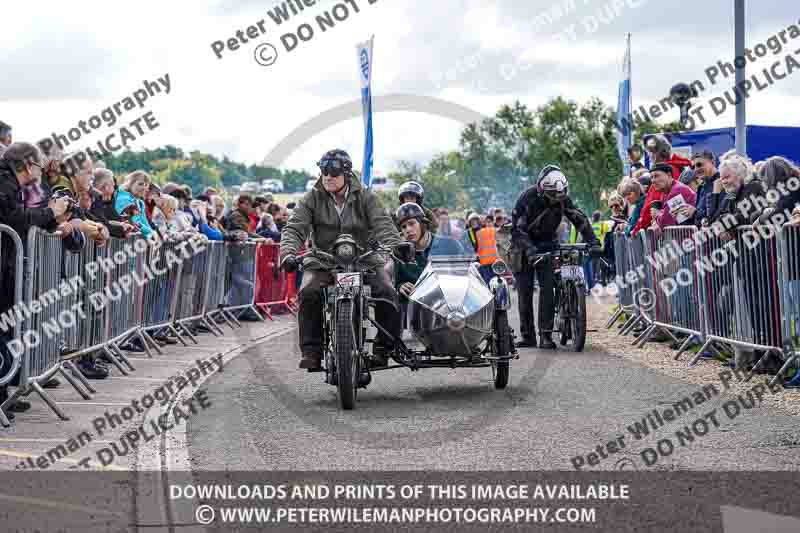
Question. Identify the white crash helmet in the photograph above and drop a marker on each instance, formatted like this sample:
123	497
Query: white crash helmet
553	183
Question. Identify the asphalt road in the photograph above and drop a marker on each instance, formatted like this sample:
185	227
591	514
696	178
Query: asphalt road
268	415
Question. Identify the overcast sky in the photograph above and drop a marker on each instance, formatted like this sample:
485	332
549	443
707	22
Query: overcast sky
64	62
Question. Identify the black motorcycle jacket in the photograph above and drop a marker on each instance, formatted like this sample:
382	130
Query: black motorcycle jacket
535	221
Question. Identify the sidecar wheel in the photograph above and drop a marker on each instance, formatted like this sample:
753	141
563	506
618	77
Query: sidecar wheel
344	351
503	341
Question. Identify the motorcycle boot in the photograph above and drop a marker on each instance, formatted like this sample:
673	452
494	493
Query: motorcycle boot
546	342
311	362
380	357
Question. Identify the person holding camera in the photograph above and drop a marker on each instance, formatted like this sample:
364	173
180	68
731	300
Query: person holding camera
20	165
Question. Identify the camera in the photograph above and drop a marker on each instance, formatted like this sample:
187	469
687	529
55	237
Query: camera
58	194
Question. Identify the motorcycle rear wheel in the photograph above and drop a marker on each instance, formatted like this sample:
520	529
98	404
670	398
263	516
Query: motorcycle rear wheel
347	367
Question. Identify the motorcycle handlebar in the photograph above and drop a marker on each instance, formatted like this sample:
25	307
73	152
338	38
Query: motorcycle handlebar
316	252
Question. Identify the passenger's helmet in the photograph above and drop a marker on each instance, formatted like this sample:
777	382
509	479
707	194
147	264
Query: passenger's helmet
553	184
407	211
336	163
413	188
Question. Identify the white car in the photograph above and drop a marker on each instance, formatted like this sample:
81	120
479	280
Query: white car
310	185
251	187
272	186
379	183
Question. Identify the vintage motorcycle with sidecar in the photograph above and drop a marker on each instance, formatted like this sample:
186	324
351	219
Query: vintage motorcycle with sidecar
458	319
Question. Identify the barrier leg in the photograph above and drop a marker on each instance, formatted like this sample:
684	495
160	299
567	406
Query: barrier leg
48	400
145	345
71	380
147	338
232	317
783	369
265	308
758	364
18	393
177	334
215	329
630	324
690	339
122	357
699	354
188	333
614	317
258	314
80	377
642	339
214	313
4	421
114	360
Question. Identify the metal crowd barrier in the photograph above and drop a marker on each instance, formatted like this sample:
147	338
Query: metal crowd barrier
92	301
50	306
240	278
744	292
624	292
274	287
673	268
18	251
215	282
789	252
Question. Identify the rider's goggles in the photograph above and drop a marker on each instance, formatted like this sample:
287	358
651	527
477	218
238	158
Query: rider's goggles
331	167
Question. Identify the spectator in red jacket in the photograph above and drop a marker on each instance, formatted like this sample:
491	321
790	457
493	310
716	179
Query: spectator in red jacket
660	151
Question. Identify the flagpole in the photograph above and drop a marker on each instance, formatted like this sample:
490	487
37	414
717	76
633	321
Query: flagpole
630	88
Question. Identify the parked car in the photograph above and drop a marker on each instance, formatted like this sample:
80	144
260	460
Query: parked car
380	183
272	186
250	187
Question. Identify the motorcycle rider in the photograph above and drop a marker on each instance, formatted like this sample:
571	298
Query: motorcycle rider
412	191
338	204
535	219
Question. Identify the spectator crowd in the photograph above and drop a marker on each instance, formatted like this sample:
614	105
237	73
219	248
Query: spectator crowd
716	194
84	201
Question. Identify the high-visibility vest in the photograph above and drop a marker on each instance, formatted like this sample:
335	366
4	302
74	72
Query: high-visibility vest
487	246
600	229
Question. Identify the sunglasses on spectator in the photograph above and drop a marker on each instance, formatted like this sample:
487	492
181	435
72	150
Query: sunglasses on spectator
698	166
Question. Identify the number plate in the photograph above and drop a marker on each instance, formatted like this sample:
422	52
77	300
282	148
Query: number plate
572	272
349	279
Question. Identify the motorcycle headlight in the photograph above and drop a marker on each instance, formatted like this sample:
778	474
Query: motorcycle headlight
499	267
345	251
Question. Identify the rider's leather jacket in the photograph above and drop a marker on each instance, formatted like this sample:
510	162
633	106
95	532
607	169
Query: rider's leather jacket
316	216
535	222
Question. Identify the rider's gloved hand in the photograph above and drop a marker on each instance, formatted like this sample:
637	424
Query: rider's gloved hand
405	251
596	250
290	263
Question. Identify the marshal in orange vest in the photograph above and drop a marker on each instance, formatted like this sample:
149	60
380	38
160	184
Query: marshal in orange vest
487	245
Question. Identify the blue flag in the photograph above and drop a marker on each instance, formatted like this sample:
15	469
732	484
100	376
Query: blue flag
365	72
624	119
